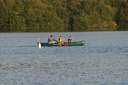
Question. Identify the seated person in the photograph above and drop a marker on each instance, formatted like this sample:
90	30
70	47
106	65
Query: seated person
60	40
51	40
69	39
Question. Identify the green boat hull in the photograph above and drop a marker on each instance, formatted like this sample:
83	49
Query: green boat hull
75	43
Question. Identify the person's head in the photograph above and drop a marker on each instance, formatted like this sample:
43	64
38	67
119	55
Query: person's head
51	35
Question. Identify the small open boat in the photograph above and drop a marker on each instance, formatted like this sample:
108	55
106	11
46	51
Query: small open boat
74	43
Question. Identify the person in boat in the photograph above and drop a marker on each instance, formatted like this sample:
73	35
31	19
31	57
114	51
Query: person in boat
60	40
51	40
69	39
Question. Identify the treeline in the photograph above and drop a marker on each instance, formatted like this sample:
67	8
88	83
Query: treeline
63	15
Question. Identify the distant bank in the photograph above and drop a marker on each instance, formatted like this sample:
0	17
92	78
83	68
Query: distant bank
63	15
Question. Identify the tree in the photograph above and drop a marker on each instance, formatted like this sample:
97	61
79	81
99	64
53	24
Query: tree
63	15
123	16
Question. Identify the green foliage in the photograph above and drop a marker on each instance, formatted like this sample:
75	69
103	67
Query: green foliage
63	15
123	16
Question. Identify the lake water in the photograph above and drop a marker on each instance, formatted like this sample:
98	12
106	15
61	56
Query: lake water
103	61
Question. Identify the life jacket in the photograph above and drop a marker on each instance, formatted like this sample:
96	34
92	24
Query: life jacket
60	41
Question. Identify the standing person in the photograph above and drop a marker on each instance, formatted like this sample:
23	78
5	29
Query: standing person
51	40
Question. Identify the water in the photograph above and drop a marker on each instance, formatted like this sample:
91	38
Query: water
103	61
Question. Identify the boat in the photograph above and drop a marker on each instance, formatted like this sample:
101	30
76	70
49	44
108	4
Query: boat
73	43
